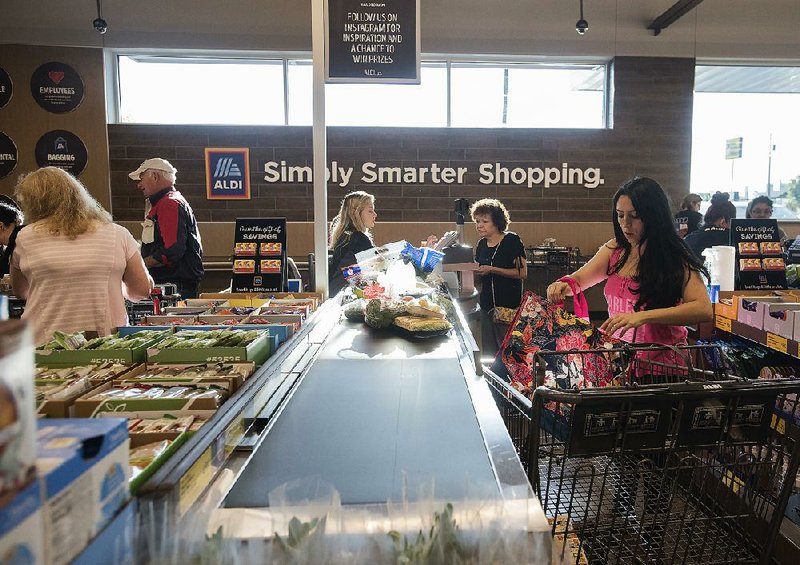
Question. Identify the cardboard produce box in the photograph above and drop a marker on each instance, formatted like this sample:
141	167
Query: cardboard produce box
83	467
239	372
257	351
88	407
61	408
74	357
22	527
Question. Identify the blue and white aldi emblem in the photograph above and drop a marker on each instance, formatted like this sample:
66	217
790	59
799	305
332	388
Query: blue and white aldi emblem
227	175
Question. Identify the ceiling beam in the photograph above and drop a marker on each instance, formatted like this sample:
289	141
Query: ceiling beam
673	14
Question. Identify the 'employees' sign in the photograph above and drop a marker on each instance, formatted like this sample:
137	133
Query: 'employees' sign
227	173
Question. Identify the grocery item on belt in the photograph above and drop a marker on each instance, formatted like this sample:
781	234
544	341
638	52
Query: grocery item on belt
417	324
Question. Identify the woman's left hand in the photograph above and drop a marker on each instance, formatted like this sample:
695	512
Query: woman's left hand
485	270
621	323
431	241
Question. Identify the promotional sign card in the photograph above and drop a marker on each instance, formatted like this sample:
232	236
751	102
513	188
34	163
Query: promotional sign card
259	255
759	256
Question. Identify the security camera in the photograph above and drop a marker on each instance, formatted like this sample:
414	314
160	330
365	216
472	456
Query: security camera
581	26
100	25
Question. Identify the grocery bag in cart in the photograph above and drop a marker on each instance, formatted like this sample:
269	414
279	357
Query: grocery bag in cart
540	325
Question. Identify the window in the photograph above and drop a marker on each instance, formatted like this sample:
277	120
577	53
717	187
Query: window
758	104
171	90
278	90
406	105
524	95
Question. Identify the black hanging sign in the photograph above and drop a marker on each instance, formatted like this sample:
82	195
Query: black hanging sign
57	87
760	264
372	41
6	87
61	148
8	155
259	255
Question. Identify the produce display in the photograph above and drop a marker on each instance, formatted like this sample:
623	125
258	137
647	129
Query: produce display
189	339
160	425
147	392
203	370
144	455
77	341
100	372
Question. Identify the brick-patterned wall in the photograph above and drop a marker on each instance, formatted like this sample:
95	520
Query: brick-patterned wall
651	135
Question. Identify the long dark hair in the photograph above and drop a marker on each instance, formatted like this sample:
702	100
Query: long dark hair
662	267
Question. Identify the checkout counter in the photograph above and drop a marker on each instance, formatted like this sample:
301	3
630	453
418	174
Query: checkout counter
371	430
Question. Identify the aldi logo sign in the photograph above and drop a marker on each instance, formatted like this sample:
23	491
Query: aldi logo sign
227	173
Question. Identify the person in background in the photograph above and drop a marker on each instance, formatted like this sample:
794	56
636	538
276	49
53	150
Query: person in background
503	267
350	234
689	216
716	226
760	208
72	263
653	285
10	223
171	244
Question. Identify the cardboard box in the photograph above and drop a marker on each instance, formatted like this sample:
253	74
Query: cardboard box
83	467
22	527
114	545
751	309
779	318
72	358
87	407
62	408
239	372
728	304
138	440
258	351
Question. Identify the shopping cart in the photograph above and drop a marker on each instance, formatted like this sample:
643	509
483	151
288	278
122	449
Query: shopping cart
547	264
692	472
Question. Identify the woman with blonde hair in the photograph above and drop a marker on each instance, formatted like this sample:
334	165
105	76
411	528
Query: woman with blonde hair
72	263
350	234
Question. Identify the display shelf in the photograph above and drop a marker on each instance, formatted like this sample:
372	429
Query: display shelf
767	339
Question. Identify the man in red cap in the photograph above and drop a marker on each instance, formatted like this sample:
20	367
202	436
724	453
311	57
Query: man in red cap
171	245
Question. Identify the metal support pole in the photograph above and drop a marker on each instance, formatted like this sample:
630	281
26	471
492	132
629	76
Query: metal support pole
320	148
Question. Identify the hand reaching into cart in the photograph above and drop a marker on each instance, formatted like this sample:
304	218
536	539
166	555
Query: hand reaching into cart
558	291
621	323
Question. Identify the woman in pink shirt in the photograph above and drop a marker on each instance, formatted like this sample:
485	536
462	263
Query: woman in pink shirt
72	264
653	284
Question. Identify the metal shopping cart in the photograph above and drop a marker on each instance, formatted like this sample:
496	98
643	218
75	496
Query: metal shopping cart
547	264
666	472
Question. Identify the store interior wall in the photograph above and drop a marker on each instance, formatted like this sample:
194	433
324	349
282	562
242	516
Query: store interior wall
24	121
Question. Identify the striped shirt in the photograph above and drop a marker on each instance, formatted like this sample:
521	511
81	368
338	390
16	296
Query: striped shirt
74	284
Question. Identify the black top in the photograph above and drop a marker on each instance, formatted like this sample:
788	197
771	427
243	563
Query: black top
5	258
689	218
705	238
507	292
344	255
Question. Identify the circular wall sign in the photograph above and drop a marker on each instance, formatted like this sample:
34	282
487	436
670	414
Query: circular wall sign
8	155
57	87
61	148
6	87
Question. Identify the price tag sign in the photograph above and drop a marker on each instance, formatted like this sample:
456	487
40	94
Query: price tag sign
777	342
723	323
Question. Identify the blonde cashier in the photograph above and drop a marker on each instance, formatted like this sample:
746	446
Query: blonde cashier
653	285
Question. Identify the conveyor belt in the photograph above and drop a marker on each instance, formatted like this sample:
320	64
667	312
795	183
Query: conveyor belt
375	411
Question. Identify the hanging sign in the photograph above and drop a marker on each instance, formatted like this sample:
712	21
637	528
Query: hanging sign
228	173
259	255
57	87
372	41
8	155
733	148
61	148
6	87
759	256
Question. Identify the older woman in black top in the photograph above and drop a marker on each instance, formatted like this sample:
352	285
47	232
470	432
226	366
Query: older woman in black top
500	255
350	234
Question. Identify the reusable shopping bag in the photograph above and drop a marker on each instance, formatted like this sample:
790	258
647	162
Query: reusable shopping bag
543	326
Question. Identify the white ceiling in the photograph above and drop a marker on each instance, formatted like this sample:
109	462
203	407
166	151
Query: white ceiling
762	30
